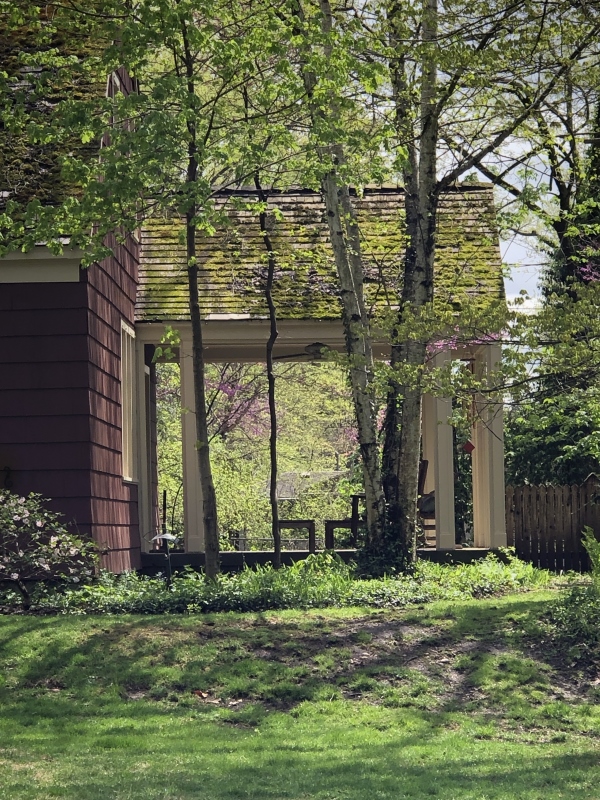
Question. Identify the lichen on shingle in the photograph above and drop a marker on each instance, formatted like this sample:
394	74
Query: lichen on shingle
233	260
32	91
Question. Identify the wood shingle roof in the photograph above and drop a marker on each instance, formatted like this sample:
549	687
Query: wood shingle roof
233	261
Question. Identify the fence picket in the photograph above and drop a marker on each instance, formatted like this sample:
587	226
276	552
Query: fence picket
552	528
581	499
510	516
547	547
544	523
533	525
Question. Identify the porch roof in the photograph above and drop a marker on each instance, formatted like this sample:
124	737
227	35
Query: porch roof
233	261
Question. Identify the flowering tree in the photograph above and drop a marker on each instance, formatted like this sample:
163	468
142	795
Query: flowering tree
35	545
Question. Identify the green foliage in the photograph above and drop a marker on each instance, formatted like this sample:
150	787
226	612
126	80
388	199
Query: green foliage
554	440
592	546
577	259
575	622
554	437
243	105
316	448
552	428
35	545
575	617
320	581
389	555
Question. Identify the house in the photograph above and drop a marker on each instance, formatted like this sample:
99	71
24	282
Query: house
77	402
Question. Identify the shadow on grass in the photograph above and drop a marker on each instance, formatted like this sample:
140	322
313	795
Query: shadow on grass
302	760
78	692
379	771
440	657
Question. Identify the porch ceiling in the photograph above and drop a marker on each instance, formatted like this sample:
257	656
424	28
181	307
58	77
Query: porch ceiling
244	340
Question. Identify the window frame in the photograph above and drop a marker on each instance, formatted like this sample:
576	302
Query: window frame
129	464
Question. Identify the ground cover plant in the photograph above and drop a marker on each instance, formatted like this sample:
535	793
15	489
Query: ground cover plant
320	581
468	700
575	616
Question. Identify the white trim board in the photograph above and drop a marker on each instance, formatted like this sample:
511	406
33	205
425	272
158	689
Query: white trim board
244	340
41	266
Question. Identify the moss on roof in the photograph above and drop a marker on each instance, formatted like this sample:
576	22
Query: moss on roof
233	261
42	64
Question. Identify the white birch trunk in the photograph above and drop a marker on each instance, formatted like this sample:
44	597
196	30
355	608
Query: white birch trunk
345	242
343	232
403	414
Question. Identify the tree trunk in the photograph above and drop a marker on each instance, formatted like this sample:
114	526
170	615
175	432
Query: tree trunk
343	232
24	592
345	242
273	334
209	499
402	445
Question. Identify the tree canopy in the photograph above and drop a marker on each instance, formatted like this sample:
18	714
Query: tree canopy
330	97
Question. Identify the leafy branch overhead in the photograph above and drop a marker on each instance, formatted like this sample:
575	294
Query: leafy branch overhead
203	96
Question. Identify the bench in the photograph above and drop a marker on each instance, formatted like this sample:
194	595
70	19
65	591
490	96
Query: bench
351	524
299	524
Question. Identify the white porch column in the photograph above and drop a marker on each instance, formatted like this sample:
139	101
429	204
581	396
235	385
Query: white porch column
488	459
192	492
143	456
438	450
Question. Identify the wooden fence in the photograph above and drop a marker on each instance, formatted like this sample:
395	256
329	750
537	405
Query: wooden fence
544	523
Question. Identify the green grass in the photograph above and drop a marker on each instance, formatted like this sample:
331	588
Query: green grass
456	701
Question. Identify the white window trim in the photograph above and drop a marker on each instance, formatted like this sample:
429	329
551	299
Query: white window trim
128	404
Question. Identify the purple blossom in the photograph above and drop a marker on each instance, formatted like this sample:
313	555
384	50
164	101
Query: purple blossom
590	272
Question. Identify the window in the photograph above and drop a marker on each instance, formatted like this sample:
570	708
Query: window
128	400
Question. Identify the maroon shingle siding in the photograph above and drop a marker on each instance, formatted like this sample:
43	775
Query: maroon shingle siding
60	399
111	289
44	394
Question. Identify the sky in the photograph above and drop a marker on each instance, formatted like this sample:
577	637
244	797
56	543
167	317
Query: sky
525	266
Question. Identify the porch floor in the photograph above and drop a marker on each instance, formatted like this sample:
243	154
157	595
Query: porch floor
234	560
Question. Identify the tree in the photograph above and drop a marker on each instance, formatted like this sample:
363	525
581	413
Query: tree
164	148
273	334
325	54
552	431
554	440
540	169
419	91
442	64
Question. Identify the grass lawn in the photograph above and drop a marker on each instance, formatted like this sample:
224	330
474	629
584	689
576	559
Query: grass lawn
461	701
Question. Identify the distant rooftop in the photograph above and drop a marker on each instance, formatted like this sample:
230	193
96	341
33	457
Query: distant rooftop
233	261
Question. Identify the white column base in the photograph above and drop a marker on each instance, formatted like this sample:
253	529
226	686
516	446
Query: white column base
489	521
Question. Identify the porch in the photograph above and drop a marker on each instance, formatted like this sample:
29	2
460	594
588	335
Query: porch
236	338
236	560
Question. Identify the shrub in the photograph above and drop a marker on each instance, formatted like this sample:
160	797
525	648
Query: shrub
575	622
36	546
575	617
320	581
592	545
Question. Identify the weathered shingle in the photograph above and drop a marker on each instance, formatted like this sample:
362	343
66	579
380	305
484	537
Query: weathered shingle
233	261
30	170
